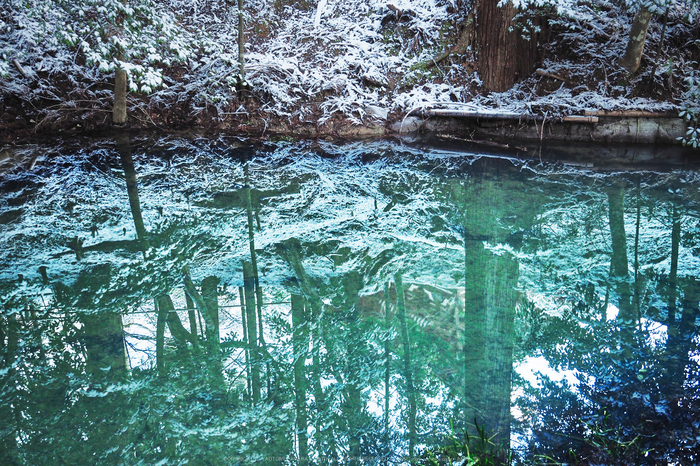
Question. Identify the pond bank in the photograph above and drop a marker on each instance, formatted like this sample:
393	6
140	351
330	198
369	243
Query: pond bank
602	128
498	128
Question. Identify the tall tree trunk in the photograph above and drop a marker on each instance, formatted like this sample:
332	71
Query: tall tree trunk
9	344
160	339
290	251
673	275
192	316
246	340
103	335
387	366
635	45
210	295
504	57
408	374
353	410
256	276
474	345
619	262
249	287
638	224
300	343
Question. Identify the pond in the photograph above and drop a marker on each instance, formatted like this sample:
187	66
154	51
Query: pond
214	301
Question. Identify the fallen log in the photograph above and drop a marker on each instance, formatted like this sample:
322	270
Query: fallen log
630	113
580	119
478	114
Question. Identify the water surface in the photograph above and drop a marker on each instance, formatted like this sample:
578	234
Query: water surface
218	302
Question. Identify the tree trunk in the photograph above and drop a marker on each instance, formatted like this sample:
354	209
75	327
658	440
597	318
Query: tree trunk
408	375
638	36
201	303
387	367
119	110
300	337
241	47
103	335
192	315
210	296
166	310
244	324
504	56
673	276
616	212
619	264
249	288
160	339
256	276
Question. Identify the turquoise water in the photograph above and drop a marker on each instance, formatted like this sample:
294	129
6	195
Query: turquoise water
219	301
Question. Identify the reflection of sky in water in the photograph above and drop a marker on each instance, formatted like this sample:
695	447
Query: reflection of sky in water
533	366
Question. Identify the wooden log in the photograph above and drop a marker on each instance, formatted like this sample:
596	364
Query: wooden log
630	113
580	119
479	114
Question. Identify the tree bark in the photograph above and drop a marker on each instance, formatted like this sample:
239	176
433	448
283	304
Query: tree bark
160	339
673	275
201	303
616	212
635	45
192	315
244	324
103	336
619	265
249	288
241	47
504	56
387	366
211	300
166	310
408	374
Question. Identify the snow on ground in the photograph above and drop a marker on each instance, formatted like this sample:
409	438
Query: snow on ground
310	61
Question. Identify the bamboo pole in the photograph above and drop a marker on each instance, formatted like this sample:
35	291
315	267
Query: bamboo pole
630	113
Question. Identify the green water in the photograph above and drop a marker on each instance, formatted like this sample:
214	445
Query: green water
219	302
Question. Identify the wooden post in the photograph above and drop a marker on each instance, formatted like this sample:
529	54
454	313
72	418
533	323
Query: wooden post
119	111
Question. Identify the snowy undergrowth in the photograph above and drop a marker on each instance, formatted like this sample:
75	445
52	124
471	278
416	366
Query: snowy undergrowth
336	55
313	61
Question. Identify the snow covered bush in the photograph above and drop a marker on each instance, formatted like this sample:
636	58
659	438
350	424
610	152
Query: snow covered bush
137	36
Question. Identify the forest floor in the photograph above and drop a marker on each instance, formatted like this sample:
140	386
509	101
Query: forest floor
327	67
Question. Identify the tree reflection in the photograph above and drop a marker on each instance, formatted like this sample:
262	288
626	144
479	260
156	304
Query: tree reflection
248	325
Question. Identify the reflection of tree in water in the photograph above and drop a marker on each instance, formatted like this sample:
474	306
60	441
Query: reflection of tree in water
636	402
378	343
